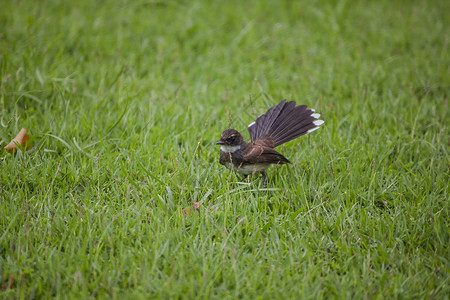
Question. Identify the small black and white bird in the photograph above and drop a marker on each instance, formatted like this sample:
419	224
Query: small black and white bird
280	124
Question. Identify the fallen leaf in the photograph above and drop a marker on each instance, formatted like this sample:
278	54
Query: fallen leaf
195	207
11	281
22	139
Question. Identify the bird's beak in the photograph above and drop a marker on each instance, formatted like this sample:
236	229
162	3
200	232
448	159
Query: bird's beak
220	143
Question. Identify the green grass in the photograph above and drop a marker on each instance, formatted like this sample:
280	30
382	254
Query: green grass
124	101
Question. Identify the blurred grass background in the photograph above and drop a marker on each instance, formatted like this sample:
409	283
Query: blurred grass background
124	101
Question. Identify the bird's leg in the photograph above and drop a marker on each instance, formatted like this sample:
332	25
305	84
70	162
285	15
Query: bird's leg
263	173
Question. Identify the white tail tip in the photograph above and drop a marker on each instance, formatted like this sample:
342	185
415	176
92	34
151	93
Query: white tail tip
311	130
318	122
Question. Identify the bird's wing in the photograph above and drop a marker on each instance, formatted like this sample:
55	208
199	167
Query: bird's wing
264	155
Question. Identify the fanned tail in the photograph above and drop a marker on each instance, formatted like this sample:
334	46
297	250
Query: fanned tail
283	123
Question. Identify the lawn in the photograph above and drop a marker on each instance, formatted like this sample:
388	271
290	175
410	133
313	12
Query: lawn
124	101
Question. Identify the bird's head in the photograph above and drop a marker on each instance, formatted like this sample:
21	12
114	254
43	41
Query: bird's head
230	140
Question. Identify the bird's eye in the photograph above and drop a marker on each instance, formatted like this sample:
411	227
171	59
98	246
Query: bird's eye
232	139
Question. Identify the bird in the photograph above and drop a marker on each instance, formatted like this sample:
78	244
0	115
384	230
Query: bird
280	124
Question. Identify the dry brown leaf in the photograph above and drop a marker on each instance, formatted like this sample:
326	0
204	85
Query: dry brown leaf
22	139
196	205
195	208
11	281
